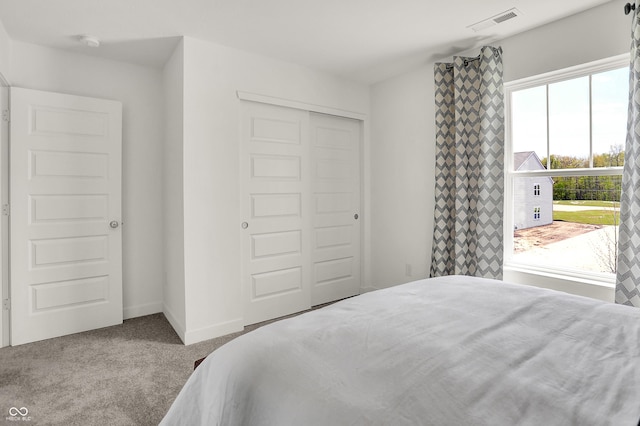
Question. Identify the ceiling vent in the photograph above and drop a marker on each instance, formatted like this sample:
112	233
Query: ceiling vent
495	20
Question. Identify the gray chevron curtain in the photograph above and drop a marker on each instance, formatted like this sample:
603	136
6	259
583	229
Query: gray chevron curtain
467	236
628	274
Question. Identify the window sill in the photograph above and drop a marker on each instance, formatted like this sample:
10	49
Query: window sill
594	285
598	279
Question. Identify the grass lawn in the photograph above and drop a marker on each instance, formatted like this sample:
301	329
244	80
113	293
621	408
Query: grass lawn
592	217
588	203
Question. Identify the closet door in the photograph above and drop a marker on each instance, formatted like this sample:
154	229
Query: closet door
335	181
275	220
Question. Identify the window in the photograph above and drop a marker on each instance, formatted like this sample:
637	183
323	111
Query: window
566	133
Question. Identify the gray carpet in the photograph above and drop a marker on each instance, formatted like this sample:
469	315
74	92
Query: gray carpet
123	375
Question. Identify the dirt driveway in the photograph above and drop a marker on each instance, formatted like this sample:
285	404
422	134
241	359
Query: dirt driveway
540	236
567	245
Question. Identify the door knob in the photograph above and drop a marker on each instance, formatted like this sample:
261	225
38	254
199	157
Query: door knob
244	225
355	216
114	224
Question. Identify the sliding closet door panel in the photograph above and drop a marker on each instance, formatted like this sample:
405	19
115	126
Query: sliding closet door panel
335	183
275	211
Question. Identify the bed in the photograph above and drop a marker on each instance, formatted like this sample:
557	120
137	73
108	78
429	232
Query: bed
442	351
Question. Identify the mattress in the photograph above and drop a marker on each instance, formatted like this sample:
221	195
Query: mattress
442	351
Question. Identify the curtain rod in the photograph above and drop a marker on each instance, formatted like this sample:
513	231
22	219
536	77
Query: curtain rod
467	61
629	7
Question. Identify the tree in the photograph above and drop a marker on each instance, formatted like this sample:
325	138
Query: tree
597	188
607	250
613	158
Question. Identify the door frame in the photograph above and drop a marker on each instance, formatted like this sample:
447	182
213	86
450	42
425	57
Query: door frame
4	219
366	284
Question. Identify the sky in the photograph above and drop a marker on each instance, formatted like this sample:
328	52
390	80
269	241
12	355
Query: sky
569	115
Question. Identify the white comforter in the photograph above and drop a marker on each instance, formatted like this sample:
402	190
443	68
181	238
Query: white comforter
444	351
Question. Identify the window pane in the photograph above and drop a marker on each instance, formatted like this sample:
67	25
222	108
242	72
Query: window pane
569	123
572	224
609	116
529	121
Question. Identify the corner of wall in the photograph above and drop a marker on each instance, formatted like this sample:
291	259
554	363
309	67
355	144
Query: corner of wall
142	310
178	326
6	46
173	294
213	331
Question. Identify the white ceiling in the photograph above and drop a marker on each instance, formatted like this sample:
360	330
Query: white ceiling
364	40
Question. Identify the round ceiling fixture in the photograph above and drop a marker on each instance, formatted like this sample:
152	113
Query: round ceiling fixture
89	41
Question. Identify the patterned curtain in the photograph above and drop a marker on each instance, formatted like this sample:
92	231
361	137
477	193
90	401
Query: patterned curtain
628	275
467	237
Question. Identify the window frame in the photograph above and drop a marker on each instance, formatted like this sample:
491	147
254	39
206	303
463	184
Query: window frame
590	68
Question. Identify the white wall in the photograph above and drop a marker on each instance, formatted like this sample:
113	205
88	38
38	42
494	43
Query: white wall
173	184
140	91
597	33
403	120
402	180
6	46
212	75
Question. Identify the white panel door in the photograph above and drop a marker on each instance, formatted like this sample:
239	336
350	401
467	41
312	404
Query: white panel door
275	213
335	240
65	198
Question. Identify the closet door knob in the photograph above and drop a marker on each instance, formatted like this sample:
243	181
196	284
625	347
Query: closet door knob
244	225
355	216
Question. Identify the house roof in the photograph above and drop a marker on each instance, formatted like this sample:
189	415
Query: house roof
520	158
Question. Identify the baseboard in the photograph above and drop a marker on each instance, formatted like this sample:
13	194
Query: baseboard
213	331
141	310
367	289
177	326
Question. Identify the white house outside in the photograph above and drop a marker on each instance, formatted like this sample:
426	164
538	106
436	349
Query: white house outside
533	196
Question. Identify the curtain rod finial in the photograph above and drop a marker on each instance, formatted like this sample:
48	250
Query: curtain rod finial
629	7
